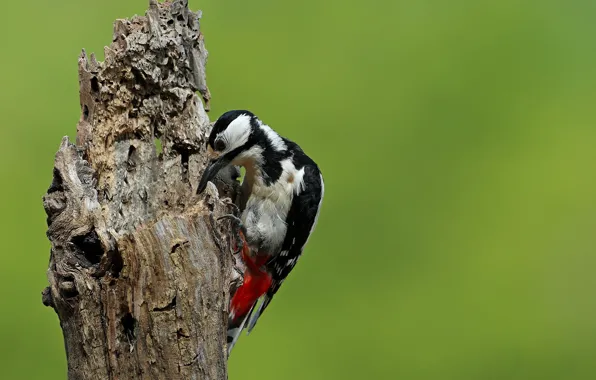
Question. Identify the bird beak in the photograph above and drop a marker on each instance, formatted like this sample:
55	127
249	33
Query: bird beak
212	169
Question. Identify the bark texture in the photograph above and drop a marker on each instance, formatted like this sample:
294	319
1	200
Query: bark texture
140	270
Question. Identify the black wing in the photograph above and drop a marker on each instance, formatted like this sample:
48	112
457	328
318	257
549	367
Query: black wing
301	220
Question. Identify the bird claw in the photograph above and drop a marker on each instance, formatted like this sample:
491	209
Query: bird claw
238	229
236	221
228	202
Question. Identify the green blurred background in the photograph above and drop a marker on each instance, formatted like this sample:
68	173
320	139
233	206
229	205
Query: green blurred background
457	139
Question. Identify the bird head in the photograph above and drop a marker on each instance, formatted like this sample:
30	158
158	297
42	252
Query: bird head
232	141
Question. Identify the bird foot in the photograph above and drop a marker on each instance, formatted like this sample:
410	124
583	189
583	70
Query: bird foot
239	231
228	201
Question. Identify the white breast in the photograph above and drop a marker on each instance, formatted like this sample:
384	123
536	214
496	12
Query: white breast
268	206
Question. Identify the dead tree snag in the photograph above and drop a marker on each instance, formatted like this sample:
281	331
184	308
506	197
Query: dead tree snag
140	271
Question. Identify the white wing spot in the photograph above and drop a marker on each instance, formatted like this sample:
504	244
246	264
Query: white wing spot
276	141
290	171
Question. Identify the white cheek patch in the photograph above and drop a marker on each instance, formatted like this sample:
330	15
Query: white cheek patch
237	133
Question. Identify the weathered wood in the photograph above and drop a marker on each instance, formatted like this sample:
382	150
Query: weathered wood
140	271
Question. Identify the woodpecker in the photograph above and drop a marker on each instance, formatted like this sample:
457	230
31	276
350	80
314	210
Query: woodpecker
285	191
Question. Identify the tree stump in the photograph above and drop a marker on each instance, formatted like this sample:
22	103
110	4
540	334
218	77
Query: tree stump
140	270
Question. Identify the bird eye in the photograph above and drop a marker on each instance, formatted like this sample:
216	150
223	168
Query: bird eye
219	145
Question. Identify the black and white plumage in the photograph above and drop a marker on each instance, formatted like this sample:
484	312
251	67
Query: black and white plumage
285	189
